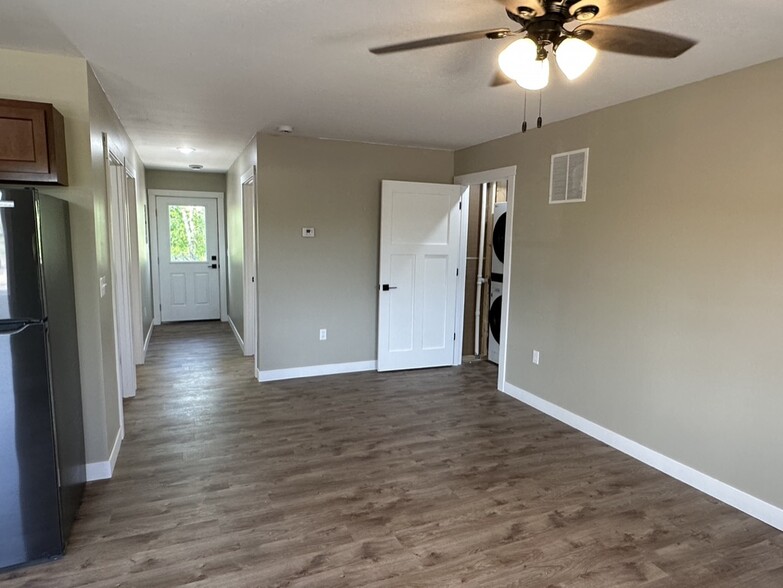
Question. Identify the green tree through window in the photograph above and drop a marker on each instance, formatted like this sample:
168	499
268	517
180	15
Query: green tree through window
188	235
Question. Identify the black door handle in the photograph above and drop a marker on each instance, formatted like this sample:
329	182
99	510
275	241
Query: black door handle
386	287
214	266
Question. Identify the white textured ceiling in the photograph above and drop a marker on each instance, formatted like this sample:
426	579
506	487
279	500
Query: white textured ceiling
211	73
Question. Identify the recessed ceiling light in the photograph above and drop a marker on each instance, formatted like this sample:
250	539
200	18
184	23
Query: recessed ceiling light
185	150
196	166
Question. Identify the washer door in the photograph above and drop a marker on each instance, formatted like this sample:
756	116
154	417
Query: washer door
494	318
499	237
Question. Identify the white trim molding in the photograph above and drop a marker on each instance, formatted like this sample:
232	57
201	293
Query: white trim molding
755	507
316	370
236	333
103	470
147	341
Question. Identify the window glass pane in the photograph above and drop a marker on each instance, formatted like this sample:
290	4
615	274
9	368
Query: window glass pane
188	233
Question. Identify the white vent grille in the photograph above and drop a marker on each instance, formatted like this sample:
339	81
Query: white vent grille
568	177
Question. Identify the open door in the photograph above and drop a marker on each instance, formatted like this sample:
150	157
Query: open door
419	257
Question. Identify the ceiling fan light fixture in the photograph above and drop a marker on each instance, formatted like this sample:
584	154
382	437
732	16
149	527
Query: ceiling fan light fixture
586	13
574	56
517	57
535	75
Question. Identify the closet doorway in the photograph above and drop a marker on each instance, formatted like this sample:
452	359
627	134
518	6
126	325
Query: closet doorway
487	266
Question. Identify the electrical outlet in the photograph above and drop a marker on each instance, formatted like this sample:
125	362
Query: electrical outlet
322	335
536	356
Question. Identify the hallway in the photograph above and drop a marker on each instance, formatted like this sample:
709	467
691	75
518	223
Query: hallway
426	478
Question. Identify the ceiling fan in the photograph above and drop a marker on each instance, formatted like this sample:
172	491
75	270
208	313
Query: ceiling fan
544	30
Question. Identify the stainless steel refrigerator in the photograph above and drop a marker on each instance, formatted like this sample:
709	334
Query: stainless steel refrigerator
42	469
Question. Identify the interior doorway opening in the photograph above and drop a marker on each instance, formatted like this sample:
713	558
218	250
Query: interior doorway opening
487	265
484	271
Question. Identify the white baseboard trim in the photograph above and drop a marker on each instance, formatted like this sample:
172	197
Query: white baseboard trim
755	507
236	334
147	342
103	470
315	370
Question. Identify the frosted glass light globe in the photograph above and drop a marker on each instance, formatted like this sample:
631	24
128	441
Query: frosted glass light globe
516	57
535	75
574	57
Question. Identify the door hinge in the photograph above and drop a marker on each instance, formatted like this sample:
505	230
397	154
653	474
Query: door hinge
455	336
460	204
457	271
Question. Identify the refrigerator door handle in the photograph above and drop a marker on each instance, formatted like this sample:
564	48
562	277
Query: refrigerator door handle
13	328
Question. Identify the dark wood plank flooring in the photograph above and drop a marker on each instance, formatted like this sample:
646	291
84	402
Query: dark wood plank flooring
426	478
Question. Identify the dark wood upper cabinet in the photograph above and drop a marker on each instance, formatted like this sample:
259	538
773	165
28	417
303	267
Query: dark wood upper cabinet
32	144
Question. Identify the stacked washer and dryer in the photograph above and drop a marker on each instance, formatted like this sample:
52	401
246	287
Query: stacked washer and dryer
496	280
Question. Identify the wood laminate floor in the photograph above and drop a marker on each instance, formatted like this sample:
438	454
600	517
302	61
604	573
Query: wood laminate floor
425	478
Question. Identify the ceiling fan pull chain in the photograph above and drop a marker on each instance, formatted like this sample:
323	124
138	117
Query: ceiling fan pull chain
540	120
524	115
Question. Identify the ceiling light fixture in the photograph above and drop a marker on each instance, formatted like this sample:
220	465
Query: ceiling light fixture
574	56
527	63
186	150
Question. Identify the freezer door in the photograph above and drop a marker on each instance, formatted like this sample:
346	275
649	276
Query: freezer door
20	278
29	499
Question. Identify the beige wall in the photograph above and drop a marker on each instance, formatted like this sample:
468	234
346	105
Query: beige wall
330	281
104	120
656	305
235	233
63	82
194	181
70	85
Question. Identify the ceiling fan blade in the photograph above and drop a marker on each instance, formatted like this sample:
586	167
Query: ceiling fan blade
607	8
445	40
500	79
525	8
633	41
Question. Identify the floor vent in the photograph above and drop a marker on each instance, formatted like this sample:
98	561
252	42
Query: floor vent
568	177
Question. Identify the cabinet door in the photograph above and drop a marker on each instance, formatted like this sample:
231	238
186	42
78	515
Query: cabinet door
23	147
32	143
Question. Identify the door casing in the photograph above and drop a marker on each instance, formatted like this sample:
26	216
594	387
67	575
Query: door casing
495	175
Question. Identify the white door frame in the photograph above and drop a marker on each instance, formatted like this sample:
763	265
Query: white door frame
152	196
508	174
249	267
119	252
135	267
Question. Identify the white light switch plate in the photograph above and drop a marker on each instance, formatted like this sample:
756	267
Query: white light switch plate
102	283
308	231
536	357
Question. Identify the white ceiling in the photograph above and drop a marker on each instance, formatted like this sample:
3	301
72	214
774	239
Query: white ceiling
210	74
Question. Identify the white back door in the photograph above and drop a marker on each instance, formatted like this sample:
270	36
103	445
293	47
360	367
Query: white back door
420	234
188	250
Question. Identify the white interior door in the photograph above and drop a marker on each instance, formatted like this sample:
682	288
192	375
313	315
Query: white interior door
188	258
420	238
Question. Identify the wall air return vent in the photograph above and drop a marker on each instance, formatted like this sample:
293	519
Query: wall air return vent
568	177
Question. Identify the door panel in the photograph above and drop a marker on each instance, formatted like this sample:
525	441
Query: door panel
436	294
420	232
402	272
188	249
